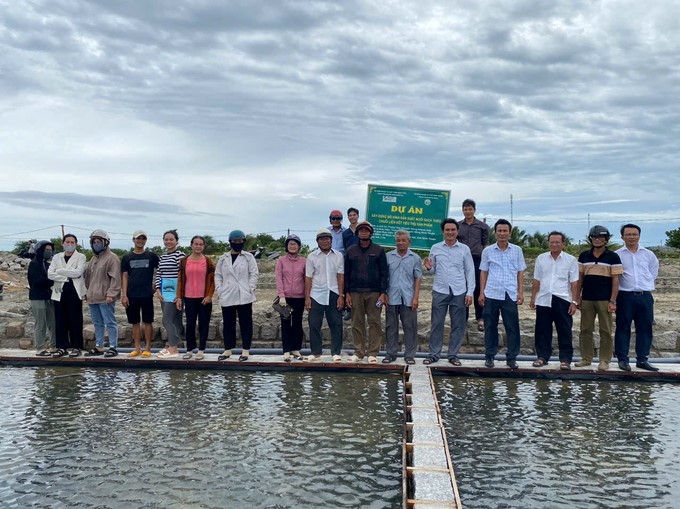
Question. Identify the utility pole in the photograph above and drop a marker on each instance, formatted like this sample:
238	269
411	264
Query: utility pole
512	215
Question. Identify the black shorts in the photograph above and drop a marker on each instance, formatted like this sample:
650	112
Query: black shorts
137	305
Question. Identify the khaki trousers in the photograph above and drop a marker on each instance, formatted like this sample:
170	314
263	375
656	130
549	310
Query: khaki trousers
589	310
363	306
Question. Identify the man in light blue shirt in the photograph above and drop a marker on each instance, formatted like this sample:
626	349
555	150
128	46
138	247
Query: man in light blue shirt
403	294
502	290
337	230
454	284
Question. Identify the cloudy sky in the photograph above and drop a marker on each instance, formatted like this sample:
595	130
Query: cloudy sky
265	115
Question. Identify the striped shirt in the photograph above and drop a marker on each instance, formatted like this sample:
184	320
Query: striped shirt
502	267
168	266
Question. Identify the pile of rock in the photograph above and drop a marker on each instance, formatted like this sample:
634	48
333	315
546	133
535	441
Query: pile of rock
12	262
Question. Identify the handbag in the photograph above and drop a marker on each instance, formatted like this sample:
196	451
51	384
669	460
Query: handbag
284	311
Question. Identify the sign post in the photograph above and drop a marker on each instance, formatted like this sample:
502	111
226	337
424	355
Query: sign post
420	211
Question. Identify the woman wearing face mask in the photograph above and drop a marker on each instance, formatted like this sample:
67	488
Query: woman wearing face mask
66	270
40	296
235	279
166	292
195	288
290	287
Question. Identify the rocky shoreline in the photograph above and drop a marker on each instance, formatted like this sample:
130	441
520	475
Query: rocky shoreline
17	324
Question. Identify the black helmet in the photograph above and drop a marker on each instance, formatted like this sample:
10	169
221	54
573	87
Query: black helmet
599	231
292	238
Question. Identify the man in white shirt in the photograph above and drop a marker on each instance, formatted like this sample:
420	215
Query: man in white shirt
634	302
324	284
552	296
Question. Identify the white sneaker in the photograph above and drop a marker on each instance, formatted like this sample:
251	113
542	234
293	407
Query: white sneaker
337	358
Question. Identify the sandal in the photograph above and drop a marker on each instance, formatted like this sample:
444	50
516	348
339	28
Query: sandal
243	358
455	361
410	360
297	356
480	326
75	352
60	353
94	352
337	358
134	353
199	356
372	359
44	353
430	360
146	354
538	363
111	352
565	365
388	359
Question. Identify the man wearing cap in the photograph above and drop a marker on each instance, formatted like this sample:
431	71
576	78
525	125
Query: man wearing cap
634	302
598	286
103	281
324	295
137	271
337	231
454	284
366	281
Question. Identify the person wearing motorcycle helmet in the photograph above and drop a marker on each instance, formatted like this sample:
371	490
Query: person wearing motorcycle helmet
598	286
103	282
236	277
290	288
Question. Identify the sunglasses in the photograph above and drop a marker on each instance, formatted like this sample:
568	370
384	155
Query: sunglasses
336	218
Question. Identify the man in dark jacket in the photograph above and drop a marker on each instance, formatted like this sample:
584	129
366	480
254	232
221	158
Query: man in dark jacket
40	295
366	280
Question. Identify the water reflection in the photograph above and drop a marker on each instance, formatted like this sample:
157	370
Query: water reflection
185	439
537	444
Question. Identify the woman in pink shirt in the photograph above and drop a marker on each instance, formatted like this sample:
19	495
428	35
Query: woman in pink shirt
290	287
195	289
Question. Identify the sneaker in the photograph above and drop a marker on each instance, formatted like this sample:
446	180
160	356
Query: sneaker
582	363
489	362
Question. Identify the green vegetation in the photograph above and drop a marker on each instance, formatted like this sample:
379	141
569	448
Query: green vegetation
673	239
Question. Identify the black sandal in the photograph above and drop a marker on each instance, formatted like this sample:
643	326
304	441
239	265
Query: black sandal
455	361
243	358
94	352
410	360
44	353
429	360
60	353
111	352
75	352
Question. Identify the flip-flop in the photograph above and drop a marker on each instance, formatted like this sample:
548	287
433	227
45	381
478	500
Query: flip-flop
429	360
455	361
243	358
538	363
146	354
410	360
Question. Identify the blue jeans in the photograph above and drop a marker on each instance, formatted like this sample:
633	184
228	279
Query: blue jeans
103	317
635	307
455	305
507	308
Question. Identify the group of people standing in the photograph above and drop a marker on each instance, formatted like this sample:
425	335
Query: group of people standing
351	275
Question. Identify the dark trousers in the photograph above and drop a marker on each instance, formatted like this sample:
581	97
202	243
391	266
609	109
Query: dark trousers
245	322
476	260
557	313
333	317
637	307
68	319
195	310
508	309
291	328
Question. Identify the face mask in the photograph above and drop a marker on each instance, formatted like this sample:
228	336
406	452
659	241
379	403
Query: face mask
236	247
69	249
47	255
98	248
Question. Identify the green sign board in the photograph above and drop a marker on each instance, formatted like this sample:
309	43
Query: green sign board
420	211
